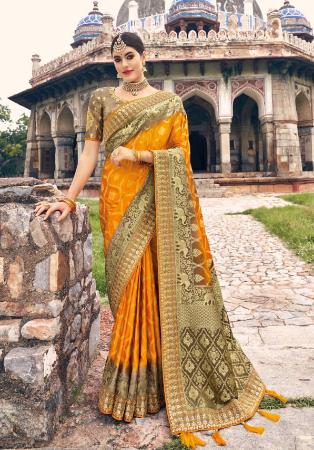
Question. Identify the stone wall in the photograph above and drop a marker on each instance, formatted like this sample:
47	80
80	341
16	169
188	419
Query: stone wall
49	312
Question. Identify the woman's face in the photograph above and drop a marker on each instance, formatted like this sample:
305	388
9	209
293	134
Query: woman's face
129	64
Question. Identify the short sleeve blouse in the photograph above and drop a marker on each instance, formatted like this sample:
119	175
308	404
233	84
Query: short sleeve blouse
95	117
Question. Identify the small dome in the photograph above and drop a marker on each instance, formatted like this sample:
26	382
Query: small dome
294	21
89	27
181	9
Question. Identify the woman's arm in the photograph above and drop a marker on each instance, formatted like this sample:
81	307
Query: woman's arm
86	164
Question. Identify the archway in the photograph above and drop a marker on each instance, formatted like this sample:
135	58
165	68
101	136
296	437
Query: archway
305	130
66	144
46	148
246	144
203	133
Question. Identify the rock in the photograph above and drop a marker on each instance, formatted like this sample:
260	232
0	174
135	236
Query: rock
88	254
31	365
59	271
10	330
81	211
51	273
73	369
72	266
37	233
78	257
94	337
42	329
14	227
41	280
76	326
15	278
63	228
75	293
34	310
1	270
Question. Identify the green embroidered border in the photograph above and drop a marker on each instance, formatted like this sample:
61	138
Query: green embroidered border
129	241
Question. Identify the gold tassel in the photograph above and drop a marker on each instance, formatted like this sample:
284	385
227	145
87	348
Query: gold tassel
269	415
191	440
276	395
258	430
218	438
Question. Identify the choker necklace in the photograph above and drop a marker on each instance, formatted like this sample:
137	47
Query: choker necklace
135	87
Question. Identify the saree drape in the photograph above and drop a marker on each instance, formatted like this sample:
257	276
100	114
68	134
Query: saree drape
172	343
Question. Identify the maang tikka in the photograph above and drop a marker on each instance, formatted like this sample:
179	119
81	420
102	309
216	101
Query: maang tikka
119	46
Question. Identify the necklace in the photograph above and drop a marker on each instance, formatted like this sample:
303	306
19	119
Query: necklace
135	87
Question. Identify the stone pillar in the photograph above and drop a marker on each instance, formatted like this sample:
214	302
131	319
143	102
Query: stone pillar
288	154
64	162
80	133
286	138
224	144
46	156
306	136
269	160
31	165
49	312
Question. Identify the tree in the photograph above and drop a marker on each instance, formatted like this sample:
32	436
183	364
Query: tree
12	143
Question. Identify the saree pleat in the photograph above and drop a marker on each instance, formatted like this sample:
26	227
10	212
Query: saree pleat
132	384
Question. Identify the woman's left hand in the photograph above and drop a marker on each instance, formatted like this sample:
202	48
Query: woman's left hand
121	153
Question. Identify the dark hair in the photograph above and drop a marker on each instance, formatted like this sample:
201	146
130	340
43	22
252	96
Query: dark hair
131	40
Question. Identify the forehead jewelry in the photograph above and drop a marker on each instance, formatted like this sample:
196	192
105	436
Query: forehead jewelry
119	45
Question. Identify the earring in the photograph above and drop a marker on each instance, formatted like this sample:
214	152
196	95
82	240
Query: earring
118	75
144	68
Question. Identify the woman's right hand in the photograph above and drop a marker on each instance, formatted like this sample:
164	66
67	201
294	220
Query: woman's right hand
49	208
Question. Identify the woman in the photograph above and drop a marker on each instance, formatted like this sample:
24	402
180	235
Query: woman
171	343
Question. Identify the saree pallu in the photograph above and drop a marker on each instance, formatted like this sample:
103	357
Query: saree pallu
172	343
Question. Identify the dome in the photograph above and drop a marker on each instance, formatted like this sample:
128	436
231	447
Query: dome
294	21
89	27
182	9
145	8
237	7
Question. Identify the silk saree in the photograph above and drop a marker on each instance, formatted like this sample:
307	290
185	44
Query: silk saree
171	343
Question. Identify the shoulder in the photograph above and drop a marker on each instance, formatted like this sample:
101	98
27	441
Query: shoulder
175	101
100	93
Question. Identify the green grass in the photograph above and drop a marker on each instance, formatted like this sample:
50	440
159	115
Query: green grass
98	245
293	224
304	199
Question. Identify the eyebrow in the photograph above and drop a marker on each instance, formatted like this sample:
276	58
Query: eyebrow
119	56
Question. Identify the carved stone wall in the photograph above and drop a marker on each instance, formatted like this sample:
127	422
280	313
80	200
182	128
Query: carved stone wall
49	312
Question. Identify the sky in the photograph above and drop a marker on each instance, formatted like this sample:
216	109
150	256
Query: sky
47	28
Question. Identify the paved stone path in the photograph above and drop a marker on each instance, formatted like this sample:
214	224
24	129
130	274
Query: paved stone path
268	292
269	295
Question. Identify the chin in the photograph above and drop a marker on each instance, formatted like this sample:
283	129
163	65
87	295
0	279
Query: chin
131	78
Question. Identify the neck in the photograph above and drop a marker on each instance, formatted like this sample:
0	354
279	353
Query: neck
135	81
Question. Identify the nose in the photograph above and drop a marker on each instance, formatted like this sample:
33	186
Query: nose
124	63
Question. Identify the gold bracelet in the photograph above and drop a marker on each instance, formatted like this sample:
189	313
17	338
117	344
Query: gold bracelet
135	155
69	203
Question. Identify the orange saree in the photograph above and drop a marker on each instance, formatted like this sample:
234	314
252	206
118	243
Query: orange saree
171	344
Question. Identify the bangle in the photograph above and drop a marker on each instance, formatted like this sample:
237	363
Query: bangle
71	203
136	156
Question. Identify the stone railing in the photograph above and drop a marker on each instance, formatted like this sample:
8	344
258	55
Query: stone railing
183	39
49	312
